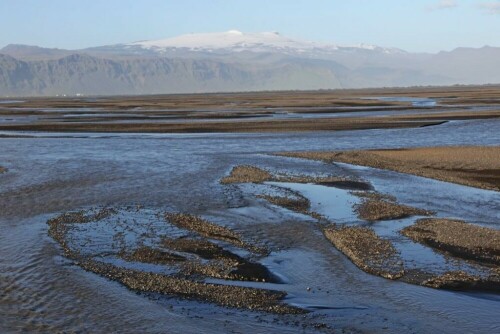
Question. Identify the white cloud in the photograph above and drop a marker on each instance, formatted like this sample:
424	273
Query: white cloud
491	7
444	4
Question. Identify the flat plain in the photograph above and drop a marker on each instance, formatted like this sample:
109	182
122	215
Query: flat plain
316	212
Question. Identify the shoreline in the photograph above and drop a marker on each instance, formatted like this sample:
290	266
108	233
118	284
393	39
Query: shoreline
264	126
254	112
473	166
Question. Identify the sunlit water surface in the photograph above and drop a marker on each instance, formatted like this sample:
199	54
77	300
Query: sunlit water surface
52	173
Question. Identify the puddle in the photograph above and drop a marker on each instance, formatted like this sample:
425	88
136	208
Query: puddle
418	256
333	203
478	206
11	101
415	101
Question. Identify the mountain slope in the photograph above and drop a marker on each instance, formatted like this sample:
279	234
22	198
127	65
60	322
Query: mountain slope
85	74
468	65
29	52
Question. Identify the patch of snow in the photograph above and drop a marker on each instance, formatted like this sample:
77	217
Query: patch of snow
234	40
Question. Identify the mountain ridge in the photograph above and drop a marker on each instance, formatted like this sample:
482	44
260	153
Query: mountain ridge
233	62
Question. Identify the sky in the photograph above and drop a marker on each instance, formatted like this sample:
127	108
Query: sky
417	26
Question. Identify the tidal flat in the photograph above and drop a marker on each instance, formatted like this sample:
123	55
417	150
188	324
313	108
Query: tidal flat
247	229
475	166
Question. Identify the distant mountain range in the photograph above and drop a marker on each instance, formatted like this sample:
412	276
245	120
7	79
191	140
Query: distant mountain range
233	61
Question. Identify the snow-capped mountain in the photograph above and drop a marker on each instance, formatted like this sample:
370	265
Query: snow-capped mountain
237	41
233	61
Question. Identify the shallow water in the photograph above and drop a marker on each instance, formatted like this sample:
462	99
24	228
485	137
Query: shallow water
333	203
11	101
166	116
52	173
338	206
415	101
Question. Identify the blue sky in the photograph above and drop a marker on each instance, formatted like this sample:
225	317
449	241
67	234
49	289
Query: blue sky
428	25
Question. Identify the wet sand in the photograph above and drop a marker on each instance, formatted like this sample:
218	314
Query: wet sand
468	165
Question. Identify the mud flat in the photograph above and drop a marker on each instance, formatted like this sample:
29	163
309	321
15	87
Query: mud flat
247	174
152	255
238	101
251	100
460	280
224	295
475	166
292	201
254	112
60	225
458	238
210	230
252	174
375	209
378	256
297	204
221	263
257	126
366	250
389	254
89	238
